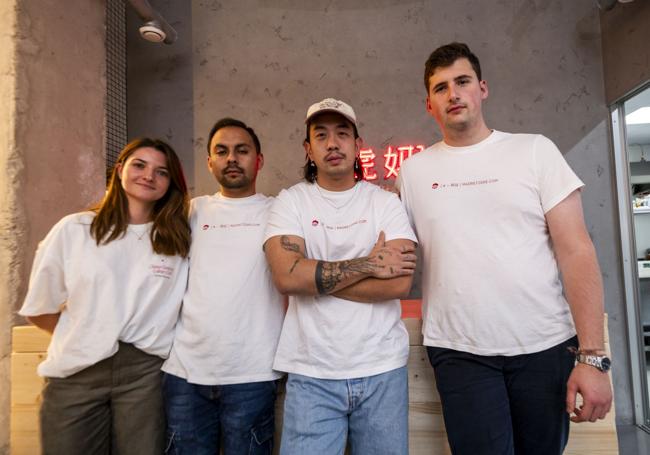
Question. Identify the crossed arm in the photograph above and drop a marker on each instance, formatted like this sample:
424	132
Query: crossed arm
577	261
386	273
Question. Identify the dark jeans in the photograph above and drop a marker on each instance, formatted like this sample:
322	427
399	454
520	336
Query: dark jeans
198	416
498	405
112	407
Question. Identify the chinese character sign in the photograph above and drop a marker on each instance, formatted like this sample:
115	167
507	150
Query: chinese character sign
393	158
367	158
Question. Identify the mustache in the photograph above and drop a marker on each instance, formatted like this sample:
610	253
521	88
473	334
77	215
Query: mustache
232	167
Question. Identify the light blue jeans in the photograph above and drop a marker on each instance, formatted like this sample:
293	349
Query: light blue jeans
371	413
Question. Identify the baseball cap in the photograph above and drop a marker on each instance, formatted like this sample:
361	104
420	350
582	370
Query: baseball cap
332	105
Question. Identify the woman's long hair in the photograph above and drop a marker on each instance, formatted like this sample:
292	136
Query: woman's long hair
170	234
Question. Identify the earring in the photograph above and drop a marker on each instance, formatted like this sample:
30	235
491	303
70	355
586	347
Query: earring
358	171
311	164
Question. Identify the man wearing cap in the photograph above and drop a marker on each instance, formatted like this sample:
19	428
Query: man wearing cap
343	250
219	385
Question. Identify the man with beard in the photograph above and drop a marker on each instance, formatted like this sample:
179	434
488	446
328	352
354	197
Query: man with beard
219	385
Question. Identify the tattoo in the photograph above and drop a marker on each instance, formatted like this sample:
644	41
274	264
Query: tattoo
288	245
294	265
319	278
328	275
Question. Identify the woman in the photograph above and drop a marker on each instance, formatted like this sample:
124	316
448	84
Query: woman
108	284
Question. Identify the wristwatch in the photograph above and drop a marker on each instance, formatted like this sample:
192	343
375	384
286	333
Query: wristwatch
602	362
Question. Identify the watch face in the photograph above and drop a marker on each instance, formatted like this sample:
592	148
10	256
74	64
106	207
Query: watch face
605	363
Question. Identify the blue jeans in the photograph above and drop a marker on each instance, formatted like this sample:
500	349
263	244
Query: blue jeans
198	416
371	413
497	405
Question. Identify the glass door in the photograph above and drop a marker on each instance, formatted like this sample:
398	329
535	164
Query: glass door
631	133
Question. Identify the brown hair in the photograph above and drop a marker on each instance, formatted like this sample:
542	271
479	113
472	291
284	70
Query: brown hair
445	56
170	234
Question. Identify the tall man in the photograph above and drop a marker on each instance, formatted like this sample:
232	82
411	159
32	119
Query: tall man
498	217
344	252
219	384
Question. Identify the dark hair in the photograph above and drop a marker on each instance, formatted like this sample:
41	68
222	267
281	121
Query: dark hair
309	169
170	234
446	56
228	121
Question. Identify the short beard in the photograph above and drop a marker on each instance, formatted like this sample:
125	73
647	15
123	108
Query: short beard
236	184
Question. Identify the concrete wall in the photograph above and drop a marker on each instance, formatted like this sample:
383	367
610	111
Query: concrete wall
10	167
51	139
159	89
626	47
265	61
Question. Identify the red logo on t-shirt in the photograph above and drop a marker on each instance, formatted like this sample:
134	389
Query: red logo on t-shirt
206	227
434	186
314	223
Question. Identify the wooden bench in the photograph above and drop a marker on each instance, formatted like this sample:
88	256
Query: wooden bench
426	426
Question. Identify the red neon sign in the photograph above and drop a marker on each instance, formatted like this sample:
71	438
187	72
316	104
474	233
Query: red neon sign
367	158
393	159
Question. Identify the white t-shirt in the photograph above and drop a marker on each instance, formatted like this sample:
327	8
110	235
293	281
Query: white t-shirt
232	313
121	291
324	336
490	279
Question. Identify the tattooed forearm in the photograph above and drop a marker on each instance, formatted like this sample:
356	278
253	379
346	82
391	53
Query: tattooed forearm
329	274
289	245
319	278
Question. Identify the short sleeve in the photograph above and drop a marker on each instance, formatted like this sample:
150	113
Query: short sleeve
47	290
284	217
395	222
555	179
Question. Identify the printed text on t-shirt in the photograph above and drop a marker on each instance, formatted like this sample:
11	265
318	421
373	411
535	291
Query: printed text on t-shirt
339	227
458	185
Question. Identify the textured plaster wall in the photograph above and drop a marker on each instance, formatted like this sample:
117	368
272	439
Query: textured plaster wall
10	168
626	47
266	61
159	88
51	139
61	92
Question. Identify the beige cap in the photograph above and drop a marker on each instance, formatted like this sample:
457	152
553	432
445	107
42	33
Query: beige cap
332	105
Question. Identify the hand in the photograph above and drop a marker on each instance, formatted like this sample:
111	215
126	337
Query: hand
390	262
596	391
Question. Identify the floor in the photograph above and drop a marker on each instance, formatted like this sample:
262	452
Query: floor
632	440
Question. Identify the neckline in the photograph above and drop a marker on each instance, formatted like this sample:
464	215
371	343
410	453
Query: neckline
494	136
332	197
253	197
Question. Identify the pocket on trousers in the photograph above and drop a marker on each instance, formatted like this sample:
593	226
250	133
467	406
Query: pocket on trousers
262	434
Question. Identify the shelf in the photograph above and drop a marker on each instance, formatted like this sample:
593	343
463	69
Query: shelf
641	210
644	269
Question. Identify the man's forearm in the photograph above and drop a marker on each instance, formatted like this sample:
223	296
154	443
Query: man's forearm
294	274
371	290
584	291
331	277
